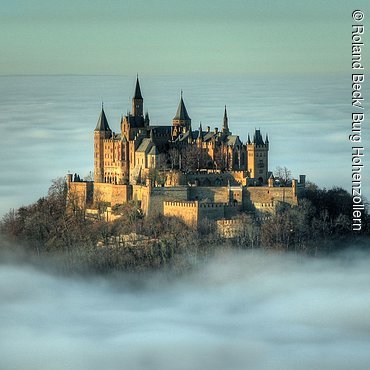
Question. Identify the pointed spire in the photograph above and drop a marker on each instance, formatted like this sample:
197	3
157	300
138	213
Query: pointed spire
226	122
102	124
181	113
249	139
147	120
137	94
200	133
267	139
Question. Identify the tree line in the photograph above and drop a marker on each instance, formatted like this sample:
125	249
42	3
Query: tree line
319	224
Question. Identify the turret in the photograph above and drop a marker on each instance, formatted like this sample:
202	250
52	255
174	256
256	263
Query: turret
137	101
146	120
257	157
181	118
102	131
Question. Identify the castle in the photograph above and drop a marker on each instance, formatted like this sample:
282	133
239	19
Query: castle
178	171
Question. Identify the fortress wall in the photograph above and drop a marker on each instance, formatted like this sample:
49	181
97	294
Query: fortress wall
231	210
221	179
211	211
219	194
80	193
121	194
264	194
187	211
158	195
102	192
229	228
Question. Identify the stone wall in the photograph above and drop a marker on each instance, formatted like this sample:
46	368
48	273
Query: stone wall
230	229
215	194
212	211
263	194
80	194
187	211
111	193
158	195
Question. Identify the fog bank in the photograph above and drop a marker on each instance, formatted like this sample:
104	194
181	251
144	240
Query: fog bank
243	311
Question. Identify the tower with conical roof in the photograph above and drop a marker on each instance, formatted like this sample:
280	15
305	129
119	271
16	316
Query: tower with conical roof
225	126
257	157
181	119
137	101
102	132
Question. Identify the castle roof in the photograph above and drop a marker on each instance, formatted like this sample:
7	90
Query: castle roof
257	138
135	121
232	140
183	136
145	145
137	94
209	135
181	113
154	150
102	124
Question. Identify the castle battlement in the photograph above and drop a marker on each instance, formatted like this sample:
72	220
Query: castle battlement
229	222
186	204
265	205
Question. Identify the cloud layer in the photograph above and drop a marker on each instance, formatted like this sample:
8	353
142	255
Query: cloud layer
244	311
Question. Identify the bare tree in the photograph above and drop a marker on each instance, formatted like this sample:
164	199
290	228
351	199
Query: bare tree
174	157
283	174
193	158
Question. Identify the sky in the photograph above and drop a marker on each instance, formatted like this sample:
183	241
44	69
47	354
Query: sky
175	37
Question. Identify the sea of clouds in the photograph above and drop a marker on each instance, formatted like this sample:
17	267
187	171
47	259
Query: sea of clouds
47	122
238	311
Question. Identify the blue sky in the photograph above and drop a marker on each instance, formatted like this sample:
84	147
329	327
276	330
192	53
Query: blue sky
175	37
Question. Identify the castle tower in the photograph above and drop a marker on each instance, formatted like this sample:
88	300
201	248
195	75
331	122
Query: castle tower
102	131
181	119
225	126
137	101
257	157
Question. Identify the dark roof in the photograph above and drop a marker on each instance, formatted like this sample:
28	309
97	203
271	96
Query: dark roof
145	145
137	94
257	138
102	124
135	121
226	125
200	132
161	130
153	150
181	113
233	140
